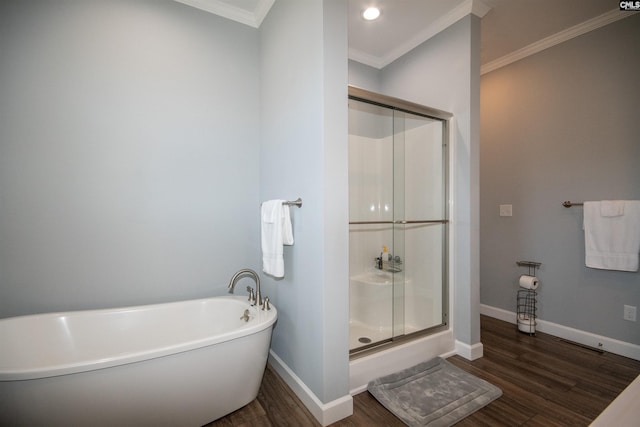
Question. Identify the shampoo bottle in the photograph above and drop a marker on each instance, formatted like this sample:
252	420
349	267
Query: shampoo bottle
384	256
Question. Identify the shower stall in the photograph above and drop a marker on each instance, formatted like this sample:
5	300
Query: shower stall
398	220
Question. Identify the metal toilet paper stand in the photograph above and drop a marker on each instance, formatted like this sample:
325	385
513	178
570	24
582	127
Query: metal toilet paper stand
526	302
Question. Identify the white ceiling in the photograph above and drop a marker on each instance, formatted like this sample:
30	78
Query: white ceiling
402	26
510	29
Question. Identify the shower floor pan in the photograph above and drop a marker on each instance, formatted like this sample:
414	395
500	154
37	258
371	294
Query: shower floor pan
361	334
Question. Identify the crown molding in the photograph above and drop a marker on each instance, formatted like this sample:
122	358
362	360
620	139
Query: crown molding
366	59
555	39
475	7
479	8
262	9
251	18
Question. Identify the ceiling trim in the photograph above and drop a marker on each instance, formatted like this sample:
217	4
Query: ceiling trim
253	19
555	39
262	9
476	7
366	59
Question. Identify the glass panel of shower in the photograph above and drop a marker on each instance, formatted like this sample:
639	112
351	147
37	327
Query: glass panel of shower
398	221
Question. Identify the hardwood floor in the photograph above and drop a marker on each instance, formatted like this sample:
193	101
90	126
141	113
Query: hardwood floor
545	381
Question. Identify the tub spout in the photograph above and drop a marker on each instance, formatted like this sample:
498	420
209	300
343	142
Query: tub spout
256	278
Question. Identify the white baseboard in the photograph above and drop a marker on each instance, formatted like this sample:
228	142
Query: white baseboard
600	342
469	352
325	413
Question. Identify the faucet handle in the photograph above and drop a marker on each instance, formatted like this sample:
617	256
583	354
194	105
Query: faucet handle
252	295
266	305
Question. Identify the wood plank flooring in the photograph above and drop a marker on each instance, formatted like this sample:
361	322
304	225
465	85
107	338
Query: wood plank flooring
545	381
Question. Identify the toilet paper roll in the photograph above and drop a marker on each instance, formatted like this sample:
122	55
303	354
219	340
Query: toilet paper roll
529	282
526	324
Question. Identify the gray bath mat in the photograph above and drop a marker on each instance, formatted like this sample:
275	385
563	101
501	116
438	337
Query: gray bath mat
434	393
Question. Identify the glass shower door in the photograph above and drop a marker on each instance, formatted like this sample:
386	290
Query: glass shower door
371	187
420	222
398	225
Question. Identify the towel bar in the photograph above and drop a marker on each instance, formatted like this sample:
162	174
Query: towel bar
569	203
297	202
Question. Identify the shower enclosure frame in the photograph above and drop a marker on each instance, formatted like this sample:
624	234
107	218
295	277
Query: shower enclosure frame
396	104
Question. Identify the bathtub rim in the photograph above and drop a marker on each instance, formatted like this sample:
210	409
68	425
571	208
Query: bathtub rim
263	320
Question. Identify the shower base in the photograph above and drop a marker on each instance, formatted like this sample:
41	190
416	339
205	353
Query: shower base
360	332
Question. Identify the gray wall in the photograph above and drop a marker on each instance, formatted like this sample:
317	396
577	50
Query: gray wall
304	154
441	73
561	125
364	76
137	140
129	144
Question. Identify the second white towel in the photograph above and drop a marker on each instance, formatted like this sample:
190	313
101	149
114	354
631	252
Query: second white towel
612	235
276	231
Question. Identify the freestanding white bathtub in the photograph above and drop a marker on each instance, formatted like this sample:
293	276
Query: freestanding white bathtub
176	364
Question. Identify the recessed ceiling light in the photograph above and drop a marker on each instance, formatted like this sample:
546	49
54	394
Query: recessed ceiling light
371	13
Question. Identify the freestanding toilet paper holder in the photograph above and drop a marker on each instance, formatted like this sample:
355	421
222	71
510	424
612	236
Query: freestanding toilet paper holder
532	266
526	302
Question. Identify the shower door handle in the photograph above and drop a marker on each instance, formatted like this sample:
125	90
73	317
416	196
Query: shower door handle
424	221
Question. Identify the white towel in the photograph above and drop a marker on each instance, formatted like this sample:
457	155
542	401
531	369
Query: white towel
276	231
612	207
612	241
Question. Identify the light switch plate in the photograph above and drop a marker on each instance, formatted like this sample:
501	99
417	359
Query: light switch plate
506	210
